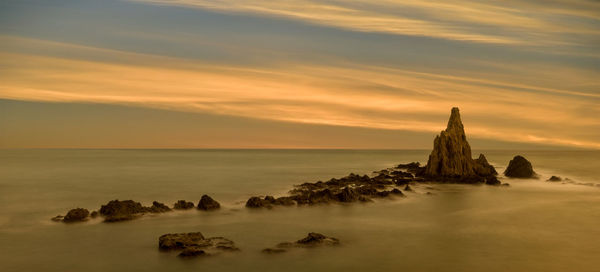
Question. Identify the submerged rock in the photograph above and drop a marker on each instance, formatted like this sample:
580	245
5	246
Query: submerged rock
193	244
183	205
451	155
492	180
94	214
519	167
313	239
57	218
207	203
76	215
408	188
554	179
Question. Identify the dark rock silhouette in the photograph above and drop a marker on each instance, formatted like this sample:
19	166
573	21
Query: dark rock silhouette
207	203
451	155
183	205
76	215
519	167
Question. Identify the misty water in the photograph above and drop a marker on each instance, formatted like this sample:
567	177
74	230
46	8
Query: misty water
532	225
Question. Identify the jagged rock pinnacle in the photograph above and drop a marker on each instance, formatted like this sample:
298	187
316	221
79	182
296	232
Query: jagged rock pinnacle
451	155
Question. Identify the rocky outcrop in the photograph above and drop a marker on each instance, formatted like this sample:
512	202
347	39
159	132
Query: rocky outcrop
207	203
194	244
116	210
519	167
76	215
451	155
183	205
313	239
483	168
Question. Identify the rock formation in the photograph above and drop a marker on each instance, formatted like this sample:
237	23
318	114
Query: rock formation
519	167
451	155
207	203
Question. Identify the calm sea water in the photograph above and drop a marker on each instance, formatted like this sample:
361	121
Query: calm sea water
531	226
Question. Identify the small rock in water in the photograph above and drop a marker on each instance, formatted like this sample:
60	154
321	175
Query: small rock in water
554	178
57	218
94	214
116	210
313	239
408	188
193	244
519	167
183	205
207	203
76	215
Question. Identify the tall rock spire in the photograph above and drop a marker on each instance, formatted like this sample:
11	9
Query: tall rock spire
451	155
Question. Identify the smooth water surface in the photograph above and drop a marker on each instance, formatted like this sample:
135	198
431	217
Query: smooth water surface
532	225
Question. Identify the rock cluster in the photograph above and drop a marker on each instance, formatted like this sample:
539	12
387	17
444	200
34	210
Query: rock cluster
117	210
311	240
194	244
519	167
352	188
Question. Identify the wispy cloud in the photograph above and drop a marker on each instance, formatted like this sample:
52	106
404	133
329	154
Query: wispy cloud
340	94
535	23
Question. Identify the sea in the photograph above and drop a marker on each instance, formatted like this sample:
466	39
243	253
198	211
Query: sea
531	225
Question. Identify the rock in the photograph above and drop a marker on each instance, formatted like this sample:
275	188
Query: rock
180	240
451	155
94	214
317	239
183	205
193	244
255	202
116	210
207	203
76	215
158	207
408	188
519	167
554	179
483	168
57	218
413	167
313	239
347	195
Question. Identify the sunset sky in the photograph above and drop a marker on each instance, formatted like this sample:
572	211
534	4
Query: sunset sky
298	73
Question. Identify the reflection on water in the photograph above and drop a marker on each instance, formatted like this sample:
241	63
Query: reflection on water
530	226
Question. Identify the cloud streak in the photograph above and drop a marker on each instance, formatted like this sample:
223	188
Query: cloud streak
531	23
339	94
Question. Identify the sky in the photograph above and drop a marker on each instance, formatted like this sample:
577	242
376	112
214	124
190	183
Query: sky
298	73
